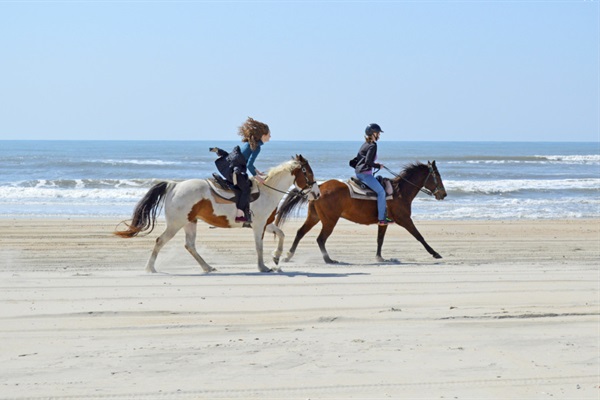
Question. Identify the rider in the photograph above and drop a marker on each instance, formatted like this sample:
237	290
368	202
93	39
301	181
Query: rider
254	134
366	161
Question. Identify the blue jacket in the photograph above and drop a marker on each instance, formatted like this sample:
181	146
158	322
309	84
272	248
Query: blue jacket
250	155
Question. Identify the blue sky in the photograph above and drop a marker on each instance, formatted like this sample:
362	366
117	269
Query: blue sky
312	70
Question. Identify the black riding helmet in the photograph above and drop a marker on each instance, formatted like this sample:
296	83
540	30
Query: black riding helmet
371	129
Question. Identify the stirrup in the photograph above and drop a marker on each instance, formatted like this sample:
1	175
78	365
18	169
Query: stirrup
385	221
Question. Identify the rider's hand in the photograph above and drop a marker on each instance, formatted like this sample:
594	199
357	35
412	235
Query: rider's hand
259	178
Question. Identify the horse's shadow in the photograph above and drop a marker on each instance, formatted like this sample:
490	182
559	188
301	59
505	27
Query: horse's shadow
385	263
292	274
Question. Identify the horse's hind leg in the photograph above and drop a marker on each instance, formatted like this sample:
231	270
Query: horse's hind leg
311	220
190	245
160	242
322	238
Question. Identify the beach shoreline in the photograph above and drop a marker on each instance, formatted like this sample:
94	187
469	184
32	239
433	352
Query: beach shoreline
512	310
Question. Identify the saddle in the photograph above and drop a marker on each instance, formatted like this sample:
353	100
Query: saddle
360	191
225	192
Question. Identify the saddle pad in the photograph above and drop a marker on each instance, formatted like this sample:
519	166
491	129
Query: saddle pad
229	195
357	192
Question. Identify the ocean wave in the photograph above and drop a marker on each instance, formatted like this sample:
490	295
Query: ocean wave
28	194
83	183
516	185
500	208
136	162
592	159
117	187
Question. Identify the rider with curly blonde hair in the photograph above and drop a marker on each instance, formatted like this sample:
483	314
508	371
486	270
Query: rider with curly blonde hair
254	134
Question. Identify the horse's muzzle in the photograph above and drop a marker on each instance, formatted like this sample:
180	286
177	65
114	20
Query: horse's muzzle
440	194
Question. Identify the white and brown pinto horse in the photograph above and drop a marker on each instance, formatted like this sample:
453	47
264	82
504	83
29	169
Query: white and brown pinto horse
189	201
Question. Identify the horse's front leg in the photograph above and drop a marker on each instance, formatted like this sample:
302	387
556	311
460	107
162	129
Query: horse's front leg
380	236
272	228
410	227
259	231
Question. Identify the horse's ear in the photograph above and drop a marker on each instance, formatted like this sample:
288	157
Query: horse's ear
429	163
433	163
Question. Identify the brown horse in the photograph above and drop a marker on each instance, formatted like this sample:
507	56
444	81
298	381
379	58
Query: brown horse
335	203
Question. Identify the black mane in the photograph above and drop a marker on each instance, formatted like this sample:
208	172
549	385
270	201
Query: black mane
407	172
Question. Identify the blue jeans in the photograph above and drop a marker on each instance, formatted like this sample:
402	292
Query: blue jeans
374	184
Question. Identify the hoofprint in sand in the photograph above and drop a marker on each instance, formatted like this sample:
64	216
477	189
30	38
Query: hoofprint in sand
510	311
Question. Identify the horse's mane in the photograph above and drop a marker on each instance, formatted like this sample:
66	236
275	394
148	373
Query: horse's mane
408	170
287	166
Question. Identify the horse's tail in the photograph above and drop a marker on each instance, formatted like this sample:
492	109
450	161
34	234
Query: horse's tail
293	200
145	212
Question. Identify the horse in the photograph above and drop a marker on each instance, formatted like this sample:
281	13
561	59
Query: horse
191	200
335	203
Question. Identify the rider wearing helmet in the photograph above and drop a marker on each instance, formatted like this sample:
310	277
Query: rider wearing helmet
366	161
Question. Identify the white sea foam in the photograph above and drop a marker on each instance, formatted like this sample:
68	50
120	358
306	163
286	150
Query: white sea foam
592	158
136	162
515	185
48	193
499	208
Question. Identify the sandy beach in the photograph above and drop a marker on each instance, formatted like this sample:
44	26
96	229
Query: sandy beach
512	311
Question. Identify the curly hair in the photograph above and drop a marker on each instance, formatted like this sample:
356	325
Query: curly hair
252	131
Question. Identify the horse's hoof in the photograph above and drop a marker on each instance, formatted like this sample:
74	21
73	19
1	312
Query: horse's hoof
330	261
276	260
436	255
265	270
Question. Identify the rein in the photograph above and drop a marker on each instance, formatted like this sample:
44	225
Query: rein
422	188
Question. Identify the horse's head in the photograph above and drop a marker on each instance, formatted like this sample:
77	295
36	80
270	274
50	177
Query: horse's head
434	183
304	179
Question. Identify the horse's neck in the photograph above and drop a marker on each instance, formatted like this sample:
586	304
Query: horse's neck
411	184
274	188
280	181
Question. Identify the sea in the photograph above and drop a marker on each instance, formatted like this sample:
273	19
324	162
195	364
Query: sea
484	180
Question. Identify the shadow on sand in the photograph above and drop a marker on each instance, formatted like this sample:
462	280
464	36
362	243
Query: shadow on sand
292	274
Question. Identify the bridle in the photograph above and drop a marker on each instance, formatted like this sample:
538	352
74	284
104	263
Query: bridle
422	188
302	192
